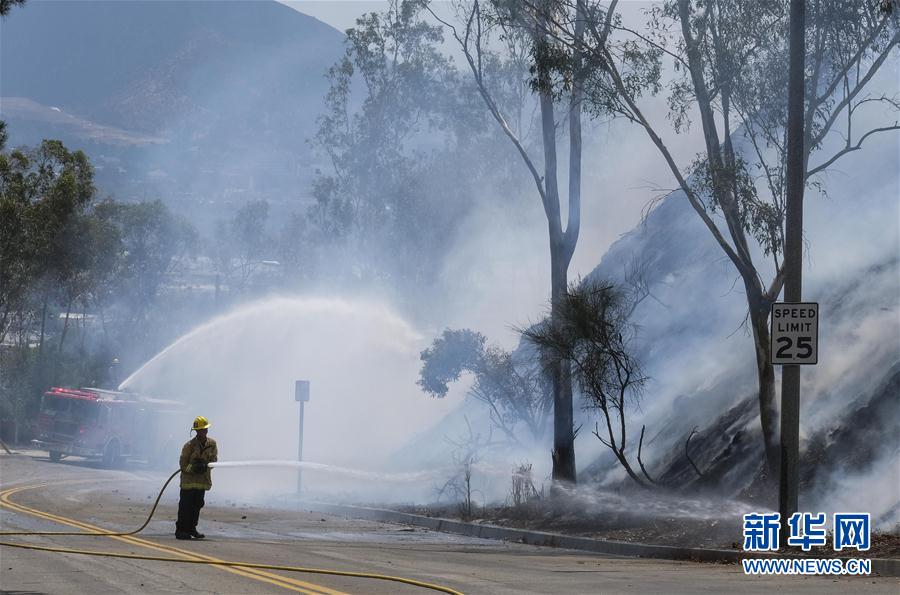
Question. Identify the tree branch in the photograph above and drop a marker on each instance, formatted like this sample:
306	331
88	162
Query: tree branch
641	462
687	454
848	149
860	84
487	97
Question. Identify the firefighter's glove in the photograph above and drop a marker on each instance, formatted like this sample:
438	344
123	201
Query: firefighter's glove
196	467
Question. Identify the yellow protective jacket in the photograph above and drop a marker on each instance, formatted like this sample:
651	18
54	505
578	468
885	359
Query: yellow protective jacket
193	452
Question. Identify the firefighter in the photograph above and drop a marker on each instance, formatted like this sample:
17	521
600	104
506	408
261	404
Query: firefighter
196	478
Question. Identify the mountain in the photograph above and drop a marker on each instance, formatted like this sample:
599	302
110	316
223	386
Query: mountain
186	101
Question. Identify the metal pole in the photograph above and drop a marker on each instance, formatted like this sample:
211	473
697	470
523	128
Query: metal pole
793	264
300	451
301	395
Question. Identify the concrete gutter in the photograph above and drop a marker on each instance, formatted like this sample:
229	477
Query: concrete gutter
883	567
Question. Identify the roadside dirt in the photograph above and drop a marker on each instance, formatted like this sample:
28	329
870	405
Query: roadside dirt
672	531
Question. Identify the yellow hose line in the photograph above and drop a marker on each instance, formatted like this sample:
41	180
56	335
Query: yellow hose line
384	577
212	562
8	493
258	575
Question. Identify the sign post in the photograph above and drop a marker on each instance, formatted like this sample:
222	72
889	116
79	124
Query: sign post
795	179
795	342
301	395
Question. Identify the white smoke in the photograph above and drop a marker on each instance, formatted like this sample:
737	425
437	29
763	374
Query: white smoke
239	370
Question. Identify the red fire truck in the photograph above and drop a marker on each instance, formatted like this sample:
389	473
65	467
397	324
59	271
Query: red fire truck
109	425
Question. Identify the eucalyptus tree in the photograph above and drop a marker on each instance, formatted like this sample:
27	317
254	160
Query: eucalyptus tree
241	244
396	134
730	64
152	240
489	33
42	191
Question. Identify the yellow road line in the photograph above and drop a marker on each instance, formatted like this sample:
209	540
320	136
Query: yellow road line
275	579
301	586
259	575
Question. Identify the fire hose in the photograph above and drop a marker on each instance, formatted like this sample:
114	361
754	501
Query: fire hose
299	569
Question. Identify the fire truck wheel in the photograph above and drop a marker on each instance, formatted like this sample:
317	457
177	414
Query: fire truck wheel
111	456
55	456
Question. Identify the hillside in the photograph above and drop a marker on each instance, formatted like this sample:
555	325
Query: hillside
699	356
700	360
186	101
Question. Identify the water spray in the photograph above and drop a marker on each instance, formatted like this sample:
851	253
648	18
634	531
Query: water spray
439	473
409	477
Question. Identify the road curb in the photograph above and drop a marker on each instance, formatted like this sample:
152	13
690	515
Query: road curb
883	567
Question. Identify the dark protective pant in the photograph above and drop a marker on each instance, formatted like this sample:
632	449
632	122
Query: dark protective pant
189	505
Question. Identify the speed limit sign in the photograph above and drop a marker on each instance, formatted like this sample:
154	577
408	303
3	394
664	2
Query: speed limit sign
795	333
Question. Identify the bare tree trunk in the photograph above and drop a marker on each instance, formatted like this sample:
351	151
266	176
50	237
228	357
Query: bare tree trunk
563	418
562	243
3	323
65	331
83	325
628	469
765	372
795	174
43	328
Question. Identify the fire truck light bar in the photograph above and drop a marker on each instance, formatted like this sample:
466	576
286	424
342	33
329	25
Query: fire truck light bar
57	391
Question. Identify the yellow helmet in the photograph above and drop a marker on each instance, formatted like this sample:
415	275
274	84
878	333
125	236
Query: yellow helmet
200	423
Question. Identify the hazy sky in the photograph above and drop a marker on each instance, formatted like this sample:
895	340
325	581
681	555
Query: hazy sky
340	14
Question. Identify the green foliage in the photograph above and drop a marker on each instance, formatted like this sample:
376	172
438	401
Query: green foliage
5	7
590	330
374	201
295	250
406	143
763	220
65	261
151	238
451	354
551	69
43	193
743	49
515	392
242	243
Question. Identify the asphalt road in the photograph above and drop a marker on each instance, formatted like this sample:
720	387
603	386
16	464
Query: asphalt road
92	498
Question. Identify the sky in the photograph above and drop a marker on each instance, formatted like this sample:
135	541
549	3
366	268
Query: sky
340	14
